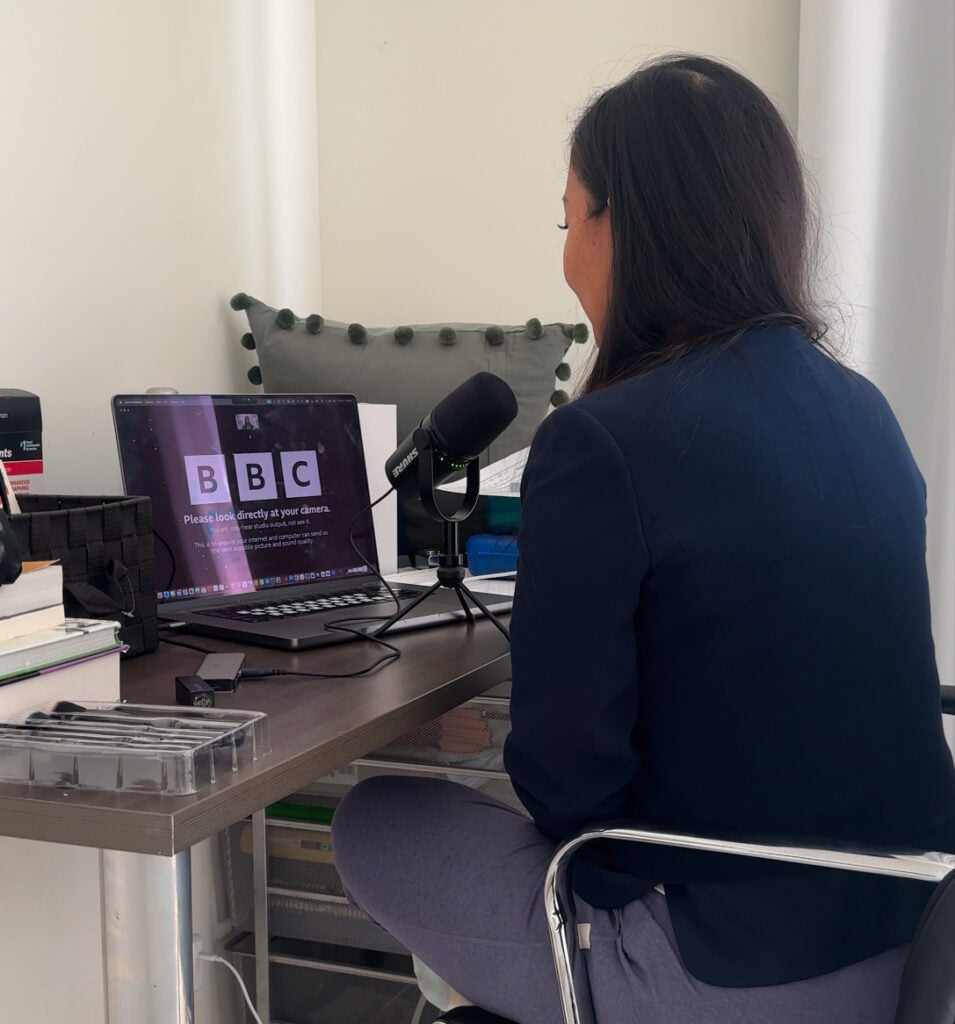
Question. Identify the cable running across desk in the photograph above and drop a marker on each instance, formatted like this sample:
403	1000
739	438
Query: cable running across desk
335	625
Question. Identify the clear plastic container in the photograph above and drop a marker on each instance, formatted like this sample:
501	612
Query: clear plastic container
130	747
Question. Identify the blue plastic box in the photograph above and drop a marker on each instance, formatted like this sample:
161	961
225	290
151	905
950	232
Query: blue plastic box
488	552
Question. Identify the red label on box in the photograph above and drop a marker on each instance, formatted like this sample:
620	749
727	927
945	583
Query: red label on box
27	468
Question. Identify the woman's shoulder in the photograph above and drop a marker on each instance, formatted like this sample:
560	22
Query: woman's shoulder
764	358
765	380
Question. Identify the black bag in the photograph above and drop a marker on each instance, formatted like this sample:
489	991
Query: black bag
105	546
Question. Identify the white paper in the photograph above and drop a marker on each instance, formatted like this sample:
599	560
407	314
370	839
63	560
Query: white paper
501	478
8	490
492	583
379	434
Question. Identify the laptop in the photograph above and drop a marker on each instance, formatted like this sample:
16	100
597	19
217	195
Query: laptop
253	497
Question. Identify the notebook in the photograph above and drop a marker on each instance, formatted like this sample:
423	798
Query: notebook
253	497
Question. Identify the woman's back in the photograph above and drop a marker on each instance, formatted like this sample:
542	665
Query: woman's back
786	598
784	669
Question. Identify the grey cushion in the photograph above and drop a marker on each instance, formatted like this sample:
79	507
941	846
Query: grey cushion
413	366
381	364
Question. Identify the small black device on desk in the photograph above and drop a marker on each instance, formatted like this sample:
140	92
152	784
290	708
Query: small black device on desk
221	671
217	672
194	692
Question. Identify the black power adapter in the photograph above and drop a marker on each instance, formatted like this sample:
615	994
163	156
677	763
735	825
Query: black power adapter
217	672
194	692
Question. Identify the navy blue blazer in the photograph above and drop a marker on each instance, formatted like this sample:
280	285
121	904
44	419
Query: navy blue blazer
721	626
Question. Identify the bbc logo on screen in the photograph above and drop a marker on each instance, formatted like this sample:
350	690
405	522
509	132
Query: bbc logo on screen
255	474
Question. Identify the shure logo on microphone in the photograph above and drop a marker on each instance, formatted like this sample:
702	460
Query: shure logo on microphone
405	463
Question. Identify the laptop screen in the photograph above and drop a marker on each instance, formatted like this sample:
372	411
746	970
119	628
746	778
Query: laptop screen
249	492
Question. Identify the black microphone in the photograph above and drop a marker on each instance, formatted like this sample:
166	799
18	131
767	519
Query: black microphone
460	427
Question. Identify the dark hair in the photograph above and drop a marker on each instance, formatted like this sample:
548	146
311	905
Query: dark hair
708	213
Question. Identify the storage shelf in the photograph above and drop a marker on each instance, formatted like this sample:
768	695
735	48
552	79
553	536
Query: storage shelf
430	768
242	947
304	894
314	983
318	956
315	933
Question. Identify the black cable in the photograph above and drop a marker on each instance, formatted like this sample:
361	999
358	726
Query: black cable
386	659
185	643
341	625
261	673
363	558
336	625
172	559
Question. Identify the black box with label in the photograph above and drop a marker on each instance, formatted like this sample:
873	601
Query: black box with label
21	439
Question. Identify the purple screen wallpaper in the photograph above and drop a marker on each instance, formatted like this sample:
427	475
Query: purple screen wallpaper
248	492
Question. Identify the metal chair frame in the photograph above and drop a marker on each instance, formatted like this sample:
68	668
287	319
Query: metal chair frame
571	975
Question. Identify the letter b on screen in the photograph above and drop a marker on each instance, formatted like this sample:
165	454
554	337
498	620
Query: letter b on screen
256	476
207	479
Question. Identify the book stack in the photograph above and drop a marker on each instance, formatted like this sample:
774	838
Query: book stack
46	657
34	602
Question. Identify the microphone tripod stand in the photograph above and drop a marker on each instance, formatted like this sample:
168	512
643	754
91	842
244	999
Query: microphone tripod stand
451	560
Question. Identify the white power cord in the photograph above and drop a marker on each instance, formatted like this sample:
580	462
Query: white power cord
212	958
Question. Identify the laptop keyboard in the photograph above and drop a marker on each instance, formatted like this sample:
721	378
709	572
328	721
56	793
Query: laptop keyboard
307	605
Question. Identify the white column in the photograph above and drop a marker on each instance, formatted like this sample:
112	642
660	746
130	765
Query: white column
877	126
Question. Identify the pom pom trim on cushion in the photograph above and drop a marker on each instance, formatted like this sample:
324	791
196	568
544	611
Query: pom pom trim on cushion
358	335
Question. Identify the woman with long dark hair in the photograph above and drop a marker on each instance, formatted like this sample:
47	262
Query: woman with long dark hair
721	623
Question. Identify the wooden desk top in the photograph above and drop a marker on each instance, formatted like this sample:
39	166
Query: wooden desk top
316	726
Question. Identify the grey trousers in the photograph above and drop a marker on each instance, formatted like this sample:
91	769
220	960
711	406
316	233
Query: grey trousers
458	877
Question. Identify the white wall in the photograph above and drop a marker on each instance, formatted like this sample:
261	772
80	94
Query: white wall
50	940
443	129
158	155
869	67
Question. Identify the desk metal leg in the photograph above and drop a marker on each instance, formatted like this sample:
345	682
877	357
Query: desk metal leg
147	938
260	906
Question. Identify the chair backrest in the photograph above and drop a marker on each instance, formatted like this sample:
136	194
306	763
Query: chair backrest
927	993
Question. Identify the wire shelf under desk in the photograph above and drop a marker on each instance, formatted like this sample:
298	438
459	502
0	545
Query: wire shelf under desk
316	983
